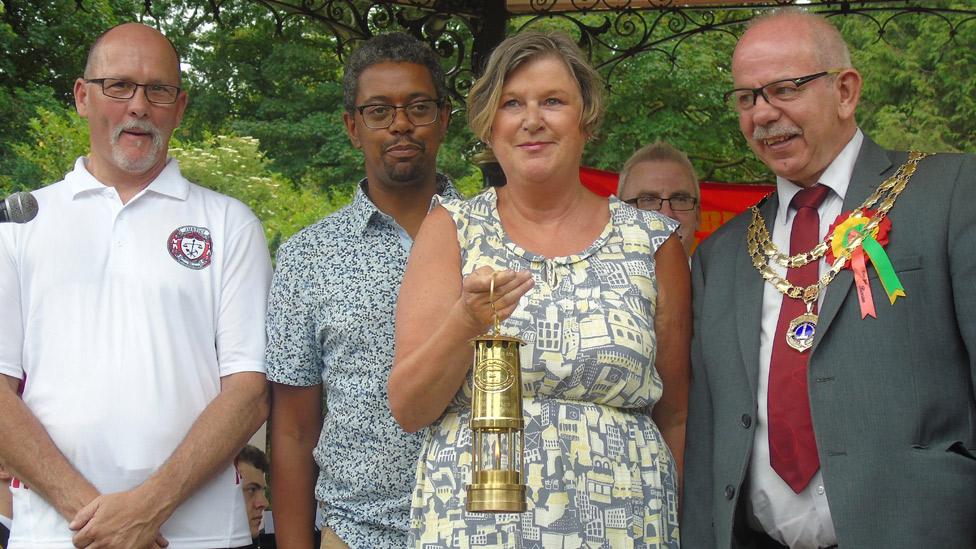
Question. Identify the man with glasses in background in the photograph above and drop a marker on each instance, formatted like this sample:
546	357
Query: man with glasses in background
832	401
659	177
133	306
331	313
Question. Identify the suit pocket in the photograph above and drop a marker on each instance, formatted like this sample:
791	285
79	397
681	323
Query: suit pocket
901	264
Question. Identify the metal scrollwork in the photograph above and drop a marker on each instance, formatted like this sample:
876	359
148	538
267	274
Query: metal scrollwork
611	31
446	26
884	14
463	33
610	37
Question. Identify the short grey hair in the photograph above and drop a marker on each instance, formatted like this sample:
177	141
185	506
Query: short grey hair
394	47
831	49
657	152
515	50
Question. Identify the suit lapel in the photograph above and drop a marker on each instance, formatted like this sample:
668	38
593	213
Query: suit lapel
749	297
870	169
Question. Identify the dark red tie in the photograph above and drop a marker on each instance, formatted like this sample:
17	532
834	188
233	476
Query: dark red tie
792	446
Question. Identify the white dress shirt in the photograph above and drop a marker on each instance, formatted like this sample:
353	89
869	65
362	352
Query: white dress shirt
799	521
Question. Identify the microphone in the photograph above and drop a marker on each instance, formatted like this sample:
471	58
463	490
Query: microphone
18	208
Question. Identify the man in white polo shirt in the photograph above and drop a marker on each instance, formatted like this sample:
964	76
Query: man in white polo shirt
134	307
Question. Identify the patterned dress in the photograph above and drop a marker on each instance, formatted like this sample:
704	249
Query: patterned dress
597	469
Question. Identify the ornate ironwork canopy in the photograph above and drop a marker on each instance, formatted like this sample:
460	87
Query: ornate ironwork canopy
611	31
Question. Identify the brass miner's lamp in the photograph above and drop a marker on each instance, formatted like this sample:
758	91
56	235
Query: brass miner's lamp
496	423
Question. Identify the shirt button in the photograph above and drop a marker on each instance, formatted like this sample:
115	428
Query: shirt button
746	421
729	492
820	490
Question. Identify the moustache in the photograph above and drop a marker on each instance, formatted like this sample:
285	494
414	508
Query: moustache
776	129
142	125
404	140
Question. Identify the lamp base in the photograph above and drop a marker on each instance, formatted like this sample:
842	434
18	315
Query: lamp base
496	498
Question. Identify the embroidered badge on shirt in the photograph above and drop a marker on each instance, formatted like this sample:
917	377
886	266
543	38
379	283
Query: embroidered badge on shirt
191	246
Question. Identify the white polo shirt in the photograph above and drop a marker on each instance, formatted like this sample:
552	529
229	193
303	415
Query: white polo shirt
124	318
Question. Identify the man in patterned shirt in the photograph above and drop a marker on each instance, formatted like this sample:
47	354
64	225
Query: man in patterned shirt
331	312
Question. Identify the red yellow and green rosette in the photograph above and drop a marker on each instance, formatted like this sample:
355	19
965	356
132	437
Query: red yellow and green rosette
851	237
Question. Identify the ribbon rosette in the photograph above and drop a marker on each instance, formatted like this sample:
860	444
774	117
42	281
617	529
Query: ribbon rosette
849	237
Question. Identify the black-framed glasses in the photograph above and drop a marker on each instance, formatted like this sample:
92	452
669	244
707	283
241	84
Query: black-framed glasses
780	91
679	203
379	116
161	94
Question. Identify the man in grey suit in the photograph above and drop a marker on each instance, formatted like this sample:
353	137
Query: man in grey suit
834	407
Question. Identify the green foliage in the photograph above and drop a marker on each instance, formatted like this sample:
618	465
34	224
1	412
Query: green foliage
919	86
235	166
282	86
57	138
470	185
54	139
283	89
44	45
655	98
228	164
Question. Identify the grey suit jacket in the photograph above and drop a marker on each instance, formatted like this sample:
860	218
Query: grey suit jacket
892	398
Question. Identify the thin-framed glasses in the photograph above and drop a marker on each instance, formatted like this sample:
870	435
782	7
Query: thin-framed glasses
653	203
161	94
379	116
780	91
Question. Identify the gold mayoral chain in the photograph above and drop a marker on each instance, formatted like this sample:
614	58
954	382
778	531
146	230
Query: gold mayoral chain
802	329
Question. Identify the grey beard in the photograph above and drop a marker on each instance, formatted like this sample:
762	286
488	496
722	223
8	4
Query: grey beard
143	162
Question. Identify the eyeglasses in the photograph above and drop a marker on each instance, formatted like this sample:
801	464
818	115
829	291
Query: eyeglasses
160	94
420	113
780	91
653	203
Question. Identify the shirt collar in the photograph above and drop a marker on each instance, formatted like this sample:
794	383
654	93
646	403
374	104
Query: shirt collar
169	182
363	210
837	176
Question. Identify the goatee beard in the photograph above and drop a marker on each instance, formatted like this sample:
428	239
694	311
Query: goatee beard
143	162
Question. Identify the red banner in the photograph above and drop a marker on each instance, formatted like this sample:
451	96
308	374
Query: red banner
720	202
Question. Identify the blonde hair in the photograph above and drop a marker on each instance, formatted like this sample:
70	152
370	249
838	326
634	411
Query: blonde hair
486	92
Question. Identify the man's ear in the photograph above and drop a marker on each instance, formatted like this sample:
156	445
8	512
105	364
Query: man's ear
349	121
181	102
443	119
849	89
446	114
81	97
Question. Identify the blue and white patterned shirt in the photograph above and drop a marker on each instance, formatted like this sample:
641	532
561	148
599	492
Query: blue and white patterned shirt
330	321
